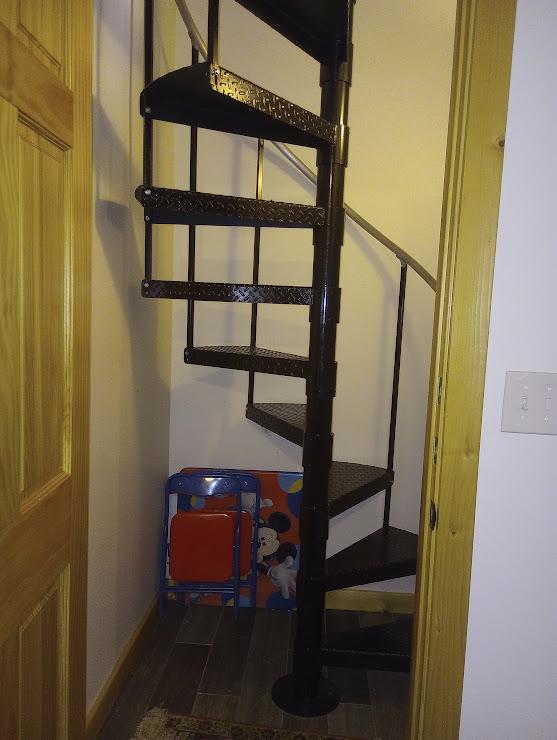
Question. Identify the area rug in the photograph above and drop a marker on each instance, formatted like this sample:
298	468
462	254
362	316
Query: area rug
158	724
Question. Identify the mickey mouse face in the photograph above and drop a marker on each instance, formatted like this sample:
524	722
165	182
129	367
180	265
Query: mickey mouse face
268	543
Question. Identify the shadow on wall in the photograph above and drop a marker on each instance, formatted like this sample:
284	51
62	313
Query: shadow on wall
130	393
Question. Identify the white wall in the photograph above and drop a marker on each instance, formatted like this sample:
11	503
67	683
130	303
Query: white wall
510	681
130	394
398	119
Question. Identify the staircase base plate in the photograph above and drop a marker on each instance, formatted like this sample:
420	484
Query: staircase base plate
287	696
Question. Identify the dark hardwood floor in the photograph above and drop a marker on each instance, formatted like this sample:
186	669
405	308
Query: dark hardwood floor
200	661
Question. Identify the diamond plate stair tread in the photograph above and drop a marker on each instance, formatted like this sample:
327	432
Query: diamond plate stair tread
388	553
288	420
258	359
381	647
230	292
170	206
313	25
351	483
211	97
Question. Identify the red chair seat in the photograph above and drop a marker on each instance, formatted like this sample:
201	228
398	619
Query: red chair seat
201	546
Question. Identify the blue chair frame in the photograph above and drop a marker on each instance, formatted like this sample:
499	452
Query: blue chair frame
205	484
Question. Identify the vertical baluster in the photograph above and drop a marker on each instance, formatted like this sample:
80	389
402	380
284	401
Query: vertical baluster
213	32
191	228
148	130
394	395
256	251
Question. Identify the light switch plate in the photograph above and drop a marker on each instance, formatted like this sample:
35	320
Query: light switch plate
530	403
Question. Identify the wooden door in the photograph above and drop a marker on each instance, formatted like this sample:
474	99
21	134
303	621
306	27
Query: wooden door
45	224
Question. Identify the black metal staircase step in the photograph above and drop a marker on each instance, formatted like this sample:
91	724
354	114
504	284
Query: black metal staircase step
387	553
211	97
383	647
168	206
288	420
349	483
258	359
228	292
316	26
352	483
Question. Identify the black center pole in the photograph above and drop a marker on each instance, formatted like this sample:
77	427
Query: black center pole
305	691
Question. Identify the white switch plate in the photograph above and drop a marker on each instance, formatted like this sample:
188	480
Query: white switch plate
530	403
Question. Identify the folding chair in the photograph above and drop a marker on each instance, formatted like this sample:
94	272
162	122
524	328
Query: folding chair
208	551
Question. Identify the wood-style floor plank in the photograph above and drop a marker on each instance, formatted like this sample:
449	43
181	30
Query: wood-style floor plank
355	720
305	724
227	660
200	625
177	688
134	698
215	706
231	678
267	660
351	683
389	698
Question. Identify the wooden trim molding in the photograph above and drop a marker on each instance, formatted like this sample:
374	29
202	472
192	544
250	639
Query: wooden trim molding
479	101
352	599
123	667
80	188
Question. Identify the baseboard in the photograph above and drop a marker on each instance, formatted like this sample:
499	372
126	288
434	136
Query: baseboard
104	702
353	599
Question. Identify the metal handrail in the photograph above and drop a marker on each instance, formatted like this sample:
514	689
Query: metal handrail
198	42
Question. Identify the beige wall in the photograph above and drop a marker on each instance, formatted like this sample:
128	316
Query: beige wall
398	119
130	355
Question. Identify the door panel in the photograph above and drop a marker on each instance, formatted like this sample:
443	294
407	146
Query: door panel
46	391
41	26
34	670
45	222
42	23
34	90
10	320
39	671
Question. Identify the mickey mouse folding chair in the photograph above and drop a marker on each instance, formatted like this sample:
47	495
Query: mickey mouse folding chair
212	550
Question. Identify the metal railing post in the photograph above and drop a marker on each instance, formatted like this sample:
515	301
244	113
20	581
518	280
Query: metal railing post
396	380
148	130
213	32
191	228
256	251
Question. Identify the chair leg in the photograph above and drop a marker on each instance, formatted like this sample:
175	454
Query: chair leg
162	583
164	555
253	587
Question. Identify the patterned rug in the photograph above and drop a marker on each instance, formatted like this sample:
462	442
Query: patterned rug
158	724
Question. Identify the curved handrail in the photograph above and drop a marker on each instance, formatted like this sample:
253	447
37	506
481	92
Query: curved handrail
198	43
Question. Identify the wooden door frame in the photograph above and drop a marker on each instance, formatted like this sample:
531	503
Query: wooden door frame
479	100
80	24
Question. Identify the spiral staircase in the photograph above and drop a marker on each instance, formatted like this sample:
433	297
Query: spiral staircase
205	95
